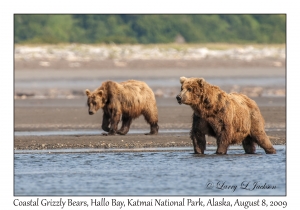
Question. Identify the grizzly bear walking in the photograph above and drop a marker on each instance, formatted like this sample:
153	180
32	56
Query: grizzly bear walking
231	118
128	99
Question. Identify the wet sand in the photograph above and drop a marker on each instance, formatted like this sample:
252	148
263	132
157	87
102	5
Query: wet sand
72	115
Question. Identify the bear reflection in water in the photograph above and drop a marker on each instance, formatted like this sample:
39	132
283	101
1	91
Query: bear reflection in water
231	118
128	99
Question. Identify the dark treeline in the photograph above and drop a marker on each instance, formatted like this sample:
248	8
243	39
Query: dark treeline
145	29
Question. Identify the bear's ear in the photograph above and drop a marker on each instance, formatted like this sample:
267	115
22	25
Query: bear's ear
87	92
201	82
182	79
100	93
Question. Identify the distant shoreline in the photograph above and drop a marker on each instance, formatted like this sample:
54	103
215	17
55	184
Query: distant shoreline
81	56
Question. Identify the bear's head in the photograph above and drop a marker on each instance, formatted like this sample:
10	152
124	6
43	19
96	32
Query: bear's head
191	90
96	100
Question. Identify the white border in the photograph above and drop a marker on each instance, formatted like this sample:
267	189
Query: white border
187	6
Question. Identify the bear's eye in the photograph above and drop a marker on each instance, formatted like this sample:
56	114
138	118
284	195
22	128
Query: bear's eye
181	89
189	89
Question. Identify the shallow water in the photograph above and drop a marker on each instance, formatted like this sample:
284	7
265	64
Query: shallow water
173	171
99	132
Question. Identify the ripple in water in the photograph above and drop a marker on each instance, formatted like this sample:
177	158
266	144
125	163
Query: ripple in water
150	173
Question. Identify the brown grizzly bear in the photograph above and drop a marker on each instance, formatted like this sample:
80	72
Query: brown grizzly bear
231	118
130	99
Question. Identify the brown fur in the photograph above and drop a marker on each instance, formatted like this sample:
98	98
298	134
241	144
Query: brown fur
231	118
128	99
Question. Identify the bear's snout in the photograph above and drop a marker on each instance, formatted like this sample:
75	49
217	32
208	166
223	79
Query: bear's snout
91	112
178	97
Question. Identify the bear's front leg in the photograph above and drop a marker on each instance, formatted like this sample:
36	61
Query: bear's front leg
197	134
114	121
126	122
223	133
223	142
199	143
105	122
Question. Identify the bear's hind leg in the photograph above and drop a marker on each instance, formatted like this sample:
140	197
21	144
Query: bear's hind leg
264	142
126	122
258	133
249	145
152	119
153	129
